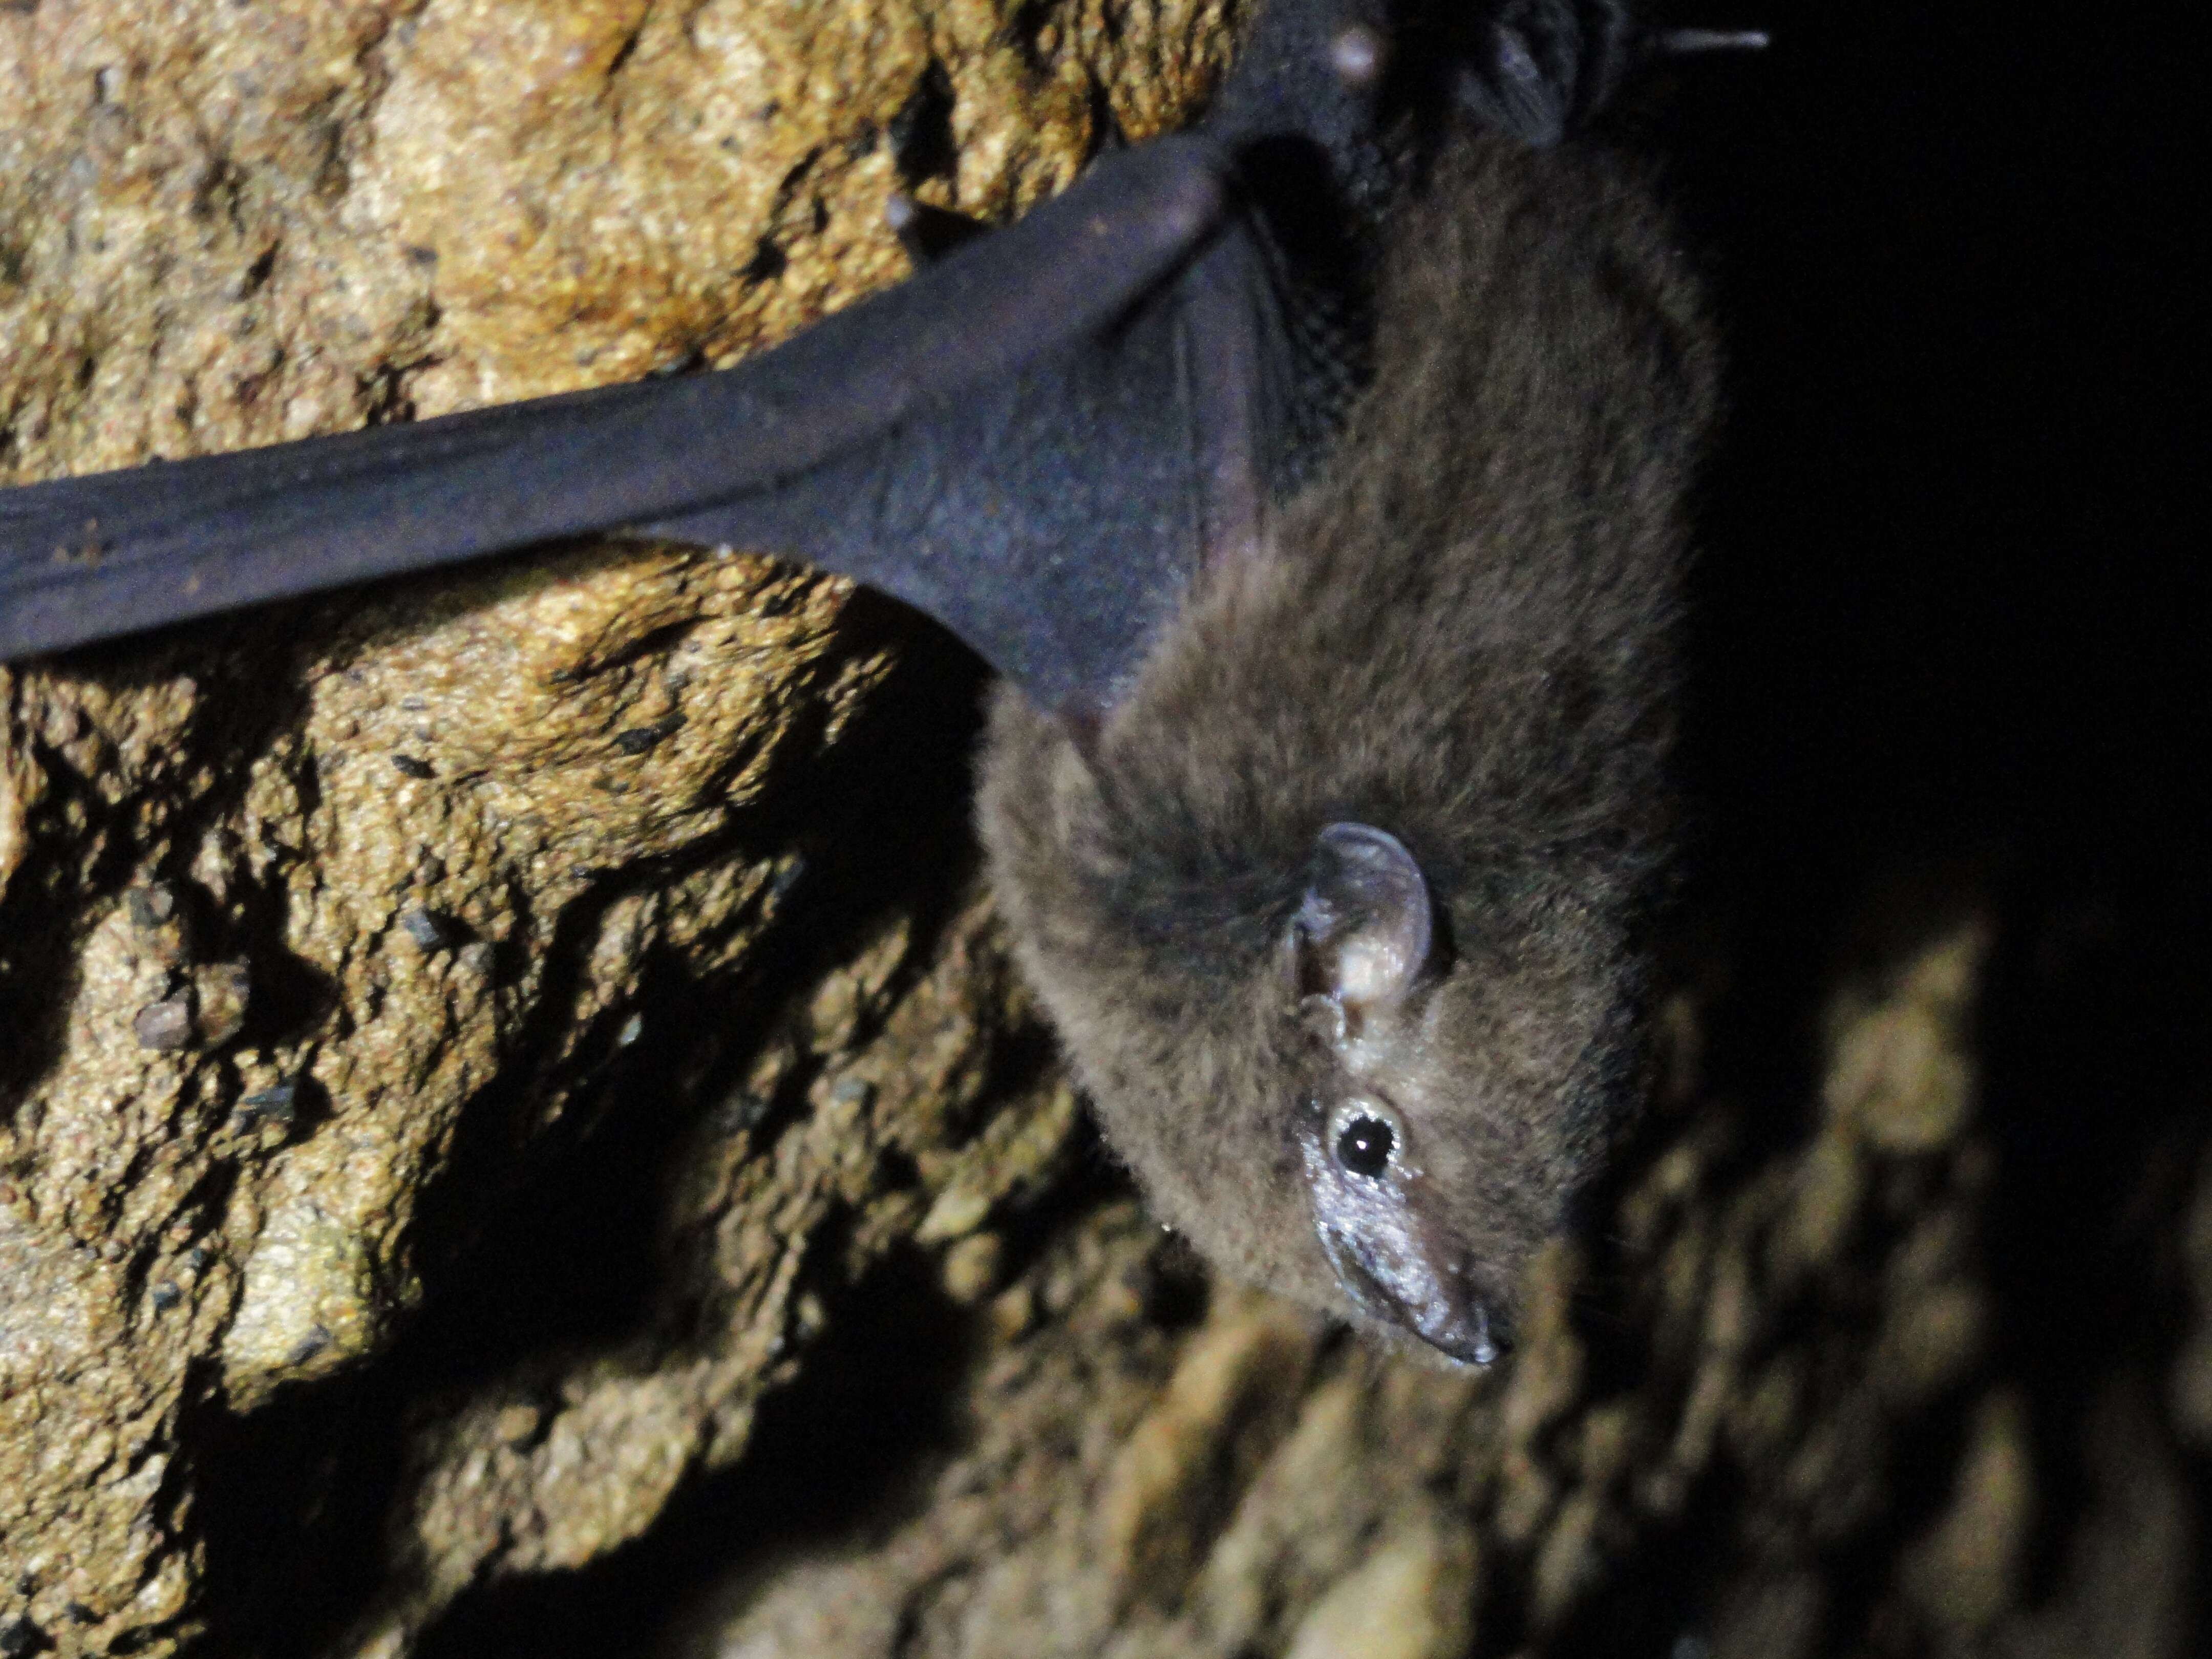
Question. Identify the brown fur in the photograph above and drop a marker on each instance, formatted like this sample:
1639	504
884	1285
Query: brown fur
1464	633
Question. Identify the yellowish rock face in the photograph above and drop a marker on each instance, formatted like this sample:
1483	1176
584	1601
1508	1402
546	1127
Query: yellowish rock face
308	913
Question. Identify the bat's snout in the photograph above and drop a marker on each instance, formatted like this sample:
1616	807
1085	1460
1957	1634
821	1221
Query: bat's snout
1441	1309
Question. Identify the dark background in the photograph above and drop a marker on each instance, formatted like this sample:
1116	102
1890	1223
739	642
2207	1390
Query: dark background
1953	612
1954	578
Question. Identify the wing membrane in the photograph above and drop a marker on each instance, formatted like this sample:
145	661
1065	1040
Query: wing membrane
952	417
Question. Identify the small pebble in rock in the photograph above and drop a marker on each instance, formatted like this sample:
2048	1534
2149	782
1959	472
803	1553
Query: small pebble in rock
277	1104
151	906
426	927
164	1026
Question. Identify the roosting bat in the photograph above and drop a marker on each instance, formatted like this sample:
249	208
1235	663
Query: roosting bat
1315	478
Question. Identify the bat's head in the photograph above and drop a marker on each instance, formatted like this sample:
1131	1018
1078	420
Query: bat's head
1459	1083
1372	1130
1376	1097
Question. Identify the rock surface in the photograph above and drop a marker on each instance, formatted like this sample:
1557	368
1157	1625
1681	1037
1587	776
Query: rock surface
327	932
517	1131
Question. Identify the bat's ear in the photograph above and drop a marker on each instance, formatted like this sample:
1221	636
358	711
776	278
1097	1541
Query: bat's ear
1363	934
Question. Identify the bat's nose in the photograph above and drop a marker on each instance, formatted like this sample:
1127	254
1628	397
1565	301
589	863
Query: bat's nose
1466	1332
1442	1311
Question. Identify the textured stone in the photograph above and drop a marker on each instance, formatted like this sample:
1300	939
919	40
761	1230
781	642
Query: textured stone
1410	1599
311	913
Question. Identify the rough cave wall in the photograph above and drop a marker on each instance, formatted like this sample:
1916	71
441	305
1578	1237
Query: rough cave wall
519	1137
329	932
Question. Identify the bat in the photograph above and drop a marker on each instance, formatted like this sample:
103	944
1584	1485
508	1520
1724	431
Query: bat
1315	478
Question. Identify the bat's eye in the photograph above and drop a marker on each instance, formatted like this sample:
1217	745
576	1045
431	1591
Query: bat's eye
1364	1143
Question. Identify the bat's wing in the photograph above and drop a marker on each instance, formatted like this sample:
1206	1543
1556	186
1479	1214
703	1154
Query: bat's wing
1032	440
1038	440
1053	515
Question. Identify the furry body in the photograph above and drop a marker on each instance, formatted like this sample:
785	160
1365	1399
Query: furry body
1462	631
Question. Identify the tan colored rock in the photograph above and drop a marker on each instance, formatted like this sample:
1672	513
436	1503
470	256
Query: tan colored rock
1132	1484
422	852
2191	1387
2134	1562
1412	1599
1901	1070
1172	1483
1966	1571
